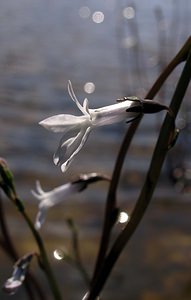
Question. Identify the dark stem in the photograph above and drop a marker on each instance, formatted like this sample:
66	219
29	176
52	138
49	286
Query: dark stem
43	257
111	198
8	246
6	236
144	199
76	250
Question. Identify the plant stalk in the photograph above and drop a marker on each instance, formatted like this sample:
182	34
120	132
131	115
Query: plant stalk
106	263
111	205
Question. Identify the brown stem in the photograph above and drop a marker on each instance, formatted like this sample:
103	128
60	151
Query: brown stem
111	198
8	246
76	250
159	154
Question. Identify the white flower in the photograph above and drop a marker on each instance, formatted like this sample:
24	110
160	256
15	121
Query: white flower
60	193
79	127
19	273
76	129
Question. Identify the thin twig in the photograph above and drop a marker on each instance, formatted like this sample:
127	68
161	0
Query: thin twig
111	205
159	154
43	257
6	236
77	261
7	185
8	246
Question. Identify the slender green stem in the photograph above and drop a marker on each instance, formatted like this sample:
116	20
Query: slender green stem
42	252
159	154
111	198
7	184
8	246
43	256
77	260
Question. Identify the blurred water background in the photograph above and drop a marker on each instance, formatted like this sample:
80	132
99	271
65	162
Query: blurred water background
119	47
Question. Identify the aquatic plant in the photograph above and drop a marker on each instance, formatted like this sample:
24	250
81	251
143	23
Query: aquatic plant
109	253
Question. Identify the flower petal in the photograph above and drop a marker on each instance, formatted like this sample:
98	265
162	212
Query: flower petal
86	106
41	215
39	188
39	193
36	195
62	122
68	149
74	98
19	273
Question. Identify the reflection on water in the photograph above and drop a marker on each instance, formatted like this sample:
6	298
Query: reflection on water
89	87
58	254
98	17
123	217
45	43
129	12
84	12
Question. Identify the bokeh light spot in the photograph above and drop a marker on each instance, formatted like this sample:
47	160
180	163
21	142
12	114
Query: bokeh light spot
89	87
98	17
129	12
123	217
84	12
58	254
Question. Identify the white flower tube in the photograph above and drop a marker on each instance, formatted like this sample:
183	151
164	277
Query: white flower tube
79	127
61	193
76	129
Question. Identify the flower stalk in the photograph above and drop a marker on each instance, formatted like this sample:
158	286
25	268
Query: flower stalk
7	184
153	173
111	205
77	260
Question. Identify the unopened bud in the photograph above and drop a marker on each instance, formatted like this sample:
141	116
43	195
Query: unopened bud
6	180
145	106
85	179
150	106
19	273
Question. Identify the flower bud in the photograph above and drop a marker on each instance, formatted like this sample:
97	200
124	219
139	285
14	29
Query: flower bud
150	106
19	273
6	180
145	106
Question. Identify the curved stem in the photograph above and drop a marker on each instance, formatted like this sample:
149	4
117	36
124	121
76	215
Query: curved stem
111	198
159	154
9	249
43	256
6	236
77	260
